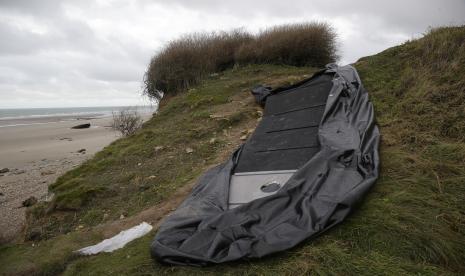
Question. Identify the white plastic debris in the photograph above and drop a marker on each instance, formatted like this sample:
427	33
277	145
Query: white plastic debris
118	241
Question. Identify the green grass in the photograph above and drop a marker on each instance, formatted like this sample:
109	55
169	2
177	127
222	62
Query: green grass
47	257
411	222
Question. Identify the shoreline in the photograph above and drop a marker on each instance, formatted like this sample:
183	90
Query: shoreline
37	154
15	122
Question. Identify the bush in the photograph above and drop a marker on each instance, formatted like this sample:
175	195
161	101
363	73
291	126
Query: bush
185	61
126	121
310	44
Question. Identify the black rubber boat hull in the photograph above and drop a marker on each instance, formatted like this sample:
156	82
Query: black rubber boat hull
318	195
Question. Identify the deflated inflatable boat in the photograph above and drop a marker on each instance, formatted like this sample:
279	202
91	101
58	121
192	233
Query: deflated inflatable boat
313	156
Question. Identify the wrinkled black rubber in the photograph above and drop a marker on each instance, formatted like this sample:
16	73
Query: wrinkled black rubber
260	94
317	197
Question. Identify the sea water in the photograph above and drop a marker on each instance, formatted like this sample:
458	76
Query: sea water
28	116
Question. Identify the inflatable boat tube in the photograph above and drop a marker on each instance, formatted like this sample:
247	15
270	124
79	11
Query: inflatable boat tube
311	159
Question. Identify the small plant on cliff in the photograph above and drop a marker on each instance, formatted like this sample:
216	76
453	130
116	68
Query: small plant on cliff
126	121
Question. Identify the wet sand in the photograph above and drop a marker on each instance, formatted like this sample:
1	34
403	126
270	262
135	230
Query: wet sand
36	155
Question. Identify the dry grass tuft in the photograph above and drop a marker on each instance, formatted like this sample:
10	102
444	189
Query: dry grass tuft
189	59
307	44
183	62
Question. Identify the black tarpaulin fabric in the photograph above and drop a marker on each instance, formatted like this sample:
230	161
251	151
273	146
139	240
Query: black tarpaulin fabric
318	196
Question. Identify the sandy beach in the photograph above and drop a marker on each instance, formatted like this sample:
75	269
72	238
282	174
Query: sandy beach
35	154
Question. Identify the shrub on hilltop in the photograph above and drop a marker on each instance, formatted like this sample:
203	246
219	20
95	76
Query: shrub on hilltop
183	62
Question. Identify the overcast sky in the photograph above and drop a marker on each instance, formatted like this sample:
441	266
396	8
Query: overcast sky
94	53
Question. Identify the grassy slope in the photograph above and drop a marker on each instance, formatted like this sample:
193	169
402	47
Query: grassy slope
412	222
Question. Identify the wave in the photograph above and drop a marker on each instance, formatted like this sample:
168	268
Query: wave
33	113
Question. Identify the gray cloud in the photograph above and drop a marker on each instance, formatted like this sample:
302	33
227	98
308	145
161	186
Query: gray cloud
78	53
405	14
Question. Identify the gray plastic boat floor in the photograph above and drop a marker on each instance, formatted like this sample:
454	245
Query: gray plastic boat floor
245	187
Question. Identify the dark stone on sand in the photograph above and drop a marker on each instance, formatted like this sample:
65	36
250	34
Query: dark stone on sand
81	126
30	201
47	172
82	151
4	170
19	172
